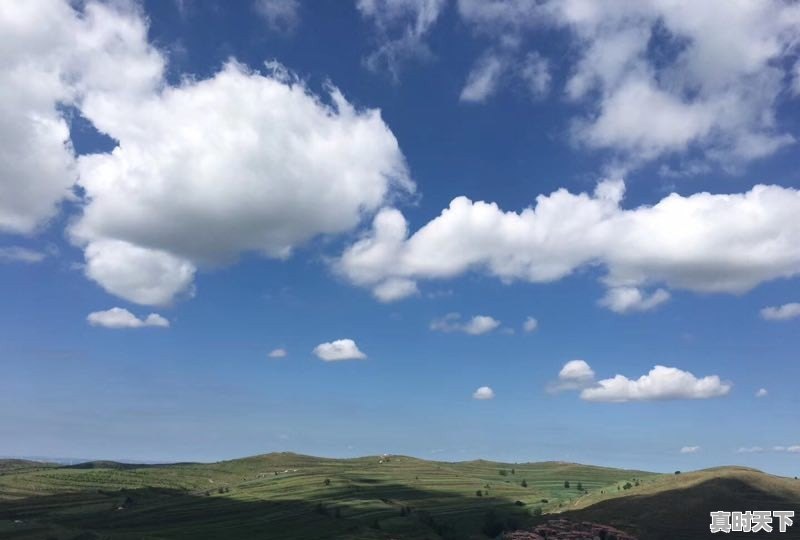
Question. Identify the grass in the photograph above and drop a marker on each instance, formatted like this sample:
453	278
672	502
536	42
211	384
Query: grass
288	496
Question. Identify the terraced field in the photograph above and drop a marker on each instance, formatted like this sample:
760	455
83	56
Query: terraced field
289	496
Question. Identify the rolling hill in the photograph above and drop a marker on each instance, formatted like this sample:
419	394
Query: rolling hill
290	496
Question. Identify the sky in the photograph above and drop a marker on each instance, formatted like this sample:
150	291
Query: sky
455	229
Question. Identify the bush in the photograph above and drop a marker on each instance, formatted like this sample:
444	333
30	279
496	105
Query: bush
566	484
579	487
327	481
524	483
503	472
519	503
677	472
479	493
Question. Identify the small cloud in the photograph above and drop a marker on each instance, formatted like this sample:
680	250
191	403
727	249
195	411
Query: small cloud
395	289
278	353
630	299
575	375
750	450
794	449
530	325
781	313
762	392
122	318
20	254
484	392
477	325
690	449
341	349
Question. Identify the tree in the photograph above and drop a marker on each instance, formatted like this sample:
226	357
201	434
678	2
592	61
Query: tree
513	471
503	472
677	472
479	493
579	487
524	483
327	482
566	484
627	485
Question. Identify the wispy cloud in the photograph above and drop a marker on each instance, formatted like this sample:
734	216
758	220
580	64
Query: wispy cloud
477	325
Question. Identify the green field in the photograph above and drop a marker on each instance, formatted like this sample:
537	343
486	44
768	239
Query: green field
290	496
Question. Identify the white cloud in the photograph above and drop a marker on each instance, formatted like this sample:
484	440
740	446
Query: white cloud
662	383
781	313
750	450
122	318
484	392
574	375
278	353
138	274
276	165
702	242
498	69
483	79
690	449
795	449
280	15
20	254
341	349
534	71
477	325
53	58
762	392
401	27
660	78
395	289
530	325
627	299
274	168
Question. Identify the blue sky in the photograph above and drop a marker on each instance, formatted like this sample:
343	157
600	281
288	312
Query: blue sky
278	174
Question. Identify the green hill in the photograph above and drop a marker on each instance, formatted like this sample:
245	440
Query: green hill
291	496
676	507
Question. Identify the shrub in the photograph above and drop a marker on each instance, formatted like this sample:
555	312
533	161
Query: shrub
479	493
524	483
566	484
327	482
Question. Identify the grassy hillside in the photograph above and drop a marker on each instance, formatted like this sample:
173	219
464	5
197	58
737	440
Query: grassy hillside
288	496
676	507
